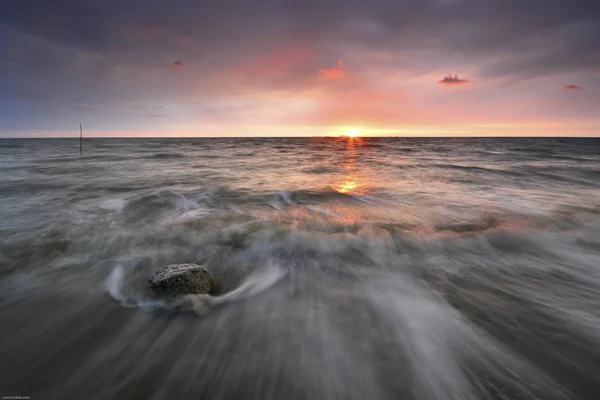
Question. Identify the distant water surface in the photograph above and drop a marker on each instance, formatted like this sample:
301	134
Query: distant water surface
347	268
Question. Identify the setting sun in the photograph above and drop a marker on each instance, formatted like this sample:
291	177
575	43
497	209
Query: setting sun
352	132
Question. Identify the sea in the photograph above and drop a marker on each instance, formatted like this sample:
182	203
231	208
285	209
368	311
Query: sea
345	268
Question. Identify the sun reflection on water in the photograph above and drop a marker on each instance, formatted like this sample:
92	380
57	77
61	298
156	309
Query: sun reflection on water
352	179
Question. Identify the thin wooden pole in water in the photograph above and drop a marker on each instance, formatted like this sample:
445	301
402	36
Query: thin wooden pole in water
80	139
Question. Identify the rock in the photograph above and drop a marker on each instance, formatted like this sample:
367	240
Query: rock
182	279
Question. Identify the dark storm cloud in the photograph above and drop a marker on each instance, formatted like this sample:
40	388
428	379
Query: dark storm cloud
572	87
178	65
453	80
553	35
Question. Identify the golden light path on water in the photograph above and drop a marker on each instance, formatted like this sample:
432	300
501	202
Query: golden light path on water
351	182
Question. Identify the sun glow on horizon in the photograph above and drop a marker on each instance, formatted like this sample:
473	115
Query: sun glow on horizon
352	132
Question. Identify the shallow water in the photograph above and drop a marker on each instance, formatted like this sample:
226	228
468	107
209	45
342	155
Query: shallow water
346	269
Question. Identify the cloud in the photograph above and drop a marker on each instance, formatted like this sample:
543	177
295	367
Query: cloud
334	73
572	87
157	115
143	31
453	80
251	52
178	65
288	65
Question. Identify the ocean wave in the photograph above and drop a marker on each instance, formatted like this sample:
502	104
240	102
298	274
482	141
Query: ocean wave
156	206
319	170
113	204
423	287
319	196
443	308
323	196
8	145
30	187
164	156
480	170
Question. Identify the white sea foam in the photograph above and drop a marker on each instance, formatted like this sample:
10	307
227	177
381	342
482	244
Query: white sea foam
121	290
286	197
113	204
117	286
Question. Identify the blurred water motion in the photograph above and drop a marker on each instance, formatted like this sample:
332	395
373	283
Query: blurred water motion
347	268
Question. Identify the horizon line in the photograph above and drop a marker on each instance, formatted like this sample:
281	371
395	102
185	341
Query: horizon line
312	136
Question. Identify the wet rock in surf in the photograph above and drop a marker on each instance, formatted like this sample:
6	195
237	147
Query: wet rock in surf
181	279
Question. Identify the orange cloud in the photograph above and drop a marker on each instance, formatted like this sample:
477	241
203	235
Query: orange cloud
334	73
178	65
277	65
572	87
453	80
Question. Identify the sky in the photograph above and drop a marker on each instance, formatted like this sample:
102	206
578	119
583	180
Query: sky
300	68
